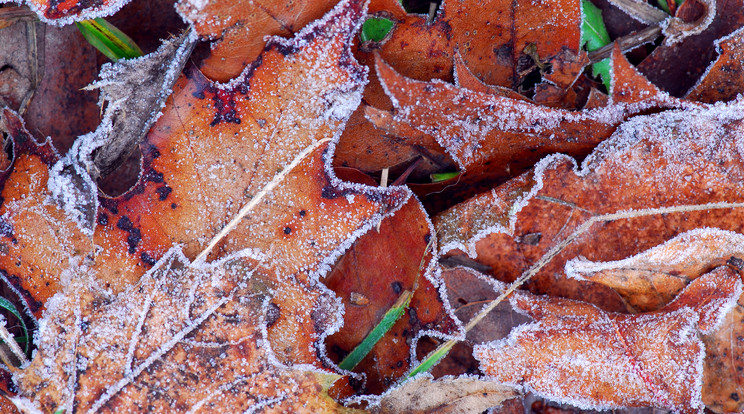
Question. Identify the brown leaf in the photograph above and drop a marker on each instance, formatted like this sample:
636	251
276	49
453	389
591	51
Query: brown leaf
503	135
578	354
641	167
650	280
188	337
448	395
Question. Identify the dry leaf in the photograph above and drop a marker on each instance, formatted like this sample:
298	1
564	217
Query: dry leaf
449	395
578	354
677	158
724	78
187	337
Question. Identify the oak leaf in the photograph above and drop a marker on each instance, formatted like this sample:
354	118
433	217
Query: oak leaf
187	337
579	354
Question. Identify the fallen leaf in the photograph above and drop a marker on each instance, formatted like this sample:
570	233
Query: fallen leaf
675	68
578	354
187	336
723	80
238	28
67	11
451	395
651	279
639	169
502	135
371	276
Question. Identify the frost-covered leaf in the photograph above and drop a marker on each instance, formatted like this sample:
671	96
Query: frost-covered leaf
673	159
64	12
485	131
451	395
650	280
576	353
724	78
187	338
676	67
239	28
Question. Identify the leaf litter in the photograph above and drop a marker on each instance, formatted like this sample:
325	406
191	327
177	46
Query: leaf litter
639	188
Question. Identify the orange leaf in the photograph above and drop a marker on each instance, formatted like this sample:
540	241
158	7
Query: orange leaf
578	354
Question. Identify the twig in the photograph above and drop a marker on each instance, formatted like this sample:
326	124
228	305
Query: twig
626	43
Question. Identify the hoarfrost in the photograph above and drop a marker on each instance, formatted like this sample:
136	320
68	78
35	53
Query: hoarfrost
99	9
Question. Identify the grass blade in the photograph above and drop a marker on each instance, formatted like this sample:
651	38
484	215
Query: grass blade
8	306
387	322
594	35
108	39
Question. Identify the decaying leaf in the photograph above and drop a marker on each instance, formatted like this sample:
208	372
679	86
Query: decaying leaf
724	78
67	11
483	131
451	395
651	279
187	337
578	354
669	160
371	276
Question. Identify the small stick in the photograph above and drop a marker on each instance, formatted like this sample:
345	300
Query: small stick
257	198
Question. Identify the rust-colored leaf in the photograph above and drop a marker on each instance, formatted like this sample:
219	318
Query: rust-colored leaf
187	337
659	161
371	276
724	78
578	354
66	11
238	28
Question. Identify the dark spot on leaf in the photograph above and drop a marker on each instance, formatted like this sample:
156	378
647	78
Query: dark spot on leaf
163	192
173	206
135	235
399	364
287	230
427	238
735	396
303	213
412	316
272	314
397	287
103	219
736	262
146	258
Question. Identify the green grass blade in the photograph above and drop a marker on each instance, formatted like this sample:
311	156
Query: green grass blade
387	322
594	35
437	177
8	306
111	41
432	359
376	28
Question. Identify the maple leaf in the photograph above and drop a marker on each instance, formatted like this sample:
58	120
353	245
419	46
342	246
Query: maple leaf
579	354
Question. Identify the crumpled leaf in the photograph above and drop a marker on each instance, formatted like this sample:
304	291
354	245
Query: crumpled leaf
671	159
451	395
575	353
650	280
502	135
186	337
